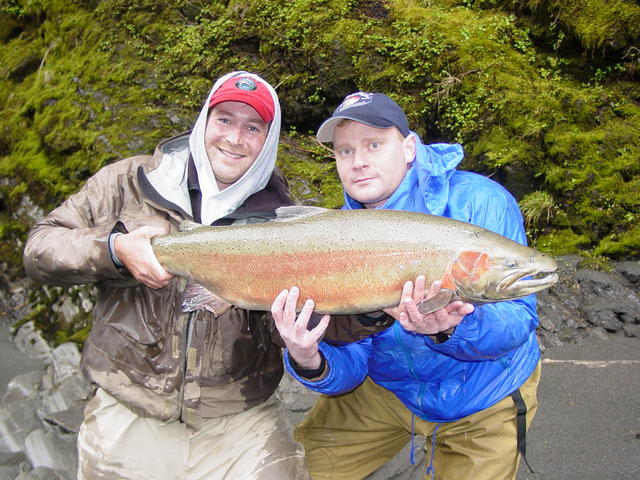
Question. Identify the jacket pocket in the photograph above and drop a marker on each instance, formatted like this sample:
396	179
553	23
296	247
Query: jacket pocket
140	315
241	344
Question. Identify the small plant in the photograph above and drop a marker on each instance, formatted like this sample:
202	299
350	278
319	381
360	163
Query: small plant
537	208
595	261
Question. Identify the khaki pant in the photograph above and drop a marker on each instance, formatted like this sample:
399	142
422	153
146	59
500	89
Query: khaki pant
114	443
349	436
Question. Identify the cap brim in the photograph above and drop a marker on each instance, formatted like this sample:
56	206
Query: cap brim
325	132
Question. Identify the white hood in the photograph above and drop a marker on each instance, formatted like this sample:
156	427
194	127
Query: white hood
215	203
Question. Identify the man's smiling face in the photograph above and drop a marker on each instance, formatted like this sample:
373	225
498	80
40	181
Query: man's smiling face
234	137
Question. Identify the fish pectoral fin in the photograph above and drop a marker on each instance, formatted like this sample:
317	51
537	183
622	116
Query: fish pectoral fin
198	297
440	300
295	212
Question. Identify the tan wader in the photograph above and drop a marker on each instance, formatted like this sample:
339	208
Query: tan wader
114	443
349	436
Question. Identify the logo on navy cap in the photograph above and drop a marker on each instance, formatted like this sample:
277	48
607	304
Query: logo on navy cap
357	99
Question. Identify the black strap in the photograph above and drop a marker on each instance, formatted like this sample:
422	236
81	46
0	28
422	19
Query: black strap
196	205
521	425
195	195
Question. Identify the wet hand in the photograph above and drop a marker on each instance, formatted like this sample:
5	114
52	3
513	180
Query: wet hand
302	343
417	294
135	252
442	320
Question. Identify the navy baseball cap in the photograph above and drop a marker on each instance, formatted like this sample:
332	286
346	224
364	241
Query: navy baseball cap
373	109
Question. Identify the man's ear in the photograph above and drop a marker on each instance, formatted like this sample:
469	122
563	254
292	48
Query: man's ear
409	148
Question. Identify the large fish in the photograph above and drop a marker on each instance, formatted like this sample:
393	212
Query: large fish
354	261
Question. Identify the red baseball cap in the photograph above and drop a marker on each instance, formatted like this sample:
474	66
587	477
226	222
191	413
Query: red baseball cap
247	90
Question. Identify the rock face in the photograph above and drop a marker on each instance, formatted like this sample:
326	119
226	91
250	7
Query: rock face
42	407
41	411
588	302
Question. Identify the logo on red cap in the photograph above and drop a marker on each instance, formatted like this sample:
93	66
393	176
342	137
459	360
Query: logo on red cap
246	84
246	90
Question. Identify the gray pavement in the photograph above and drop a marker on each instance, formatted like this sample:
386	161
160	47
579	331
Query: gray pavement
588	422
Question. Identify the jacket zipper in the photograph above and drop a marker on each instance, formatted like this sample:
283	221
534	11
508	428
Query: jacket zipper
407	354
188	336
185	359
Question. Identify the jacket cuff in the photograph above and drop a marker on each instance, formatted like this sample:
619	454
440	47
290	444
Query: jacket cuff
118	229
318	383
114	258
311	374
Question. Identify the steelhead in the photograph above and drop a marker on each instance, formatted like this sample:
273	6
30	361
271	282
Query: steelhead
353	261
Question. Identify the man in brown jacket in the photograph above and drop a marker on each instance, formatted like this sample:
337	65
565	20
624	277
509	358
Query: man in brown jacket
181	393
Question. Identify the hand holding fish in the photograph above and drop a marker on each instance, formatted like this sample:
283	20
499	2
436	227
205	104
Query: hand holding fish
135	252
412	319
302	343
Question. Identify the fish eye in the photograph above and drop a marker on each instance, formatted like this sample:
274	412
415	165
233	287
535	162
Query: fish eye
510	263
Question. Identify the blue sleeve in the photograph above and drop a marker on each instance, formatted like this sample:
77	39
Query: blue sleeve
491	331
496	328
347	367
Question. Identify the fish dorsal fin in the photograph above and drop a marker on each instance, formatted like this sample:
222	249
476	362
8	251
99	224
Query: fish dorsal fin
296	212
188	225
441	299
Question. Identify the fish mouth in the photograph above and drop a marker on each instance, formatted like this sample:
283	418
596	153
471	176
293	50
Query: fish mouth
519	284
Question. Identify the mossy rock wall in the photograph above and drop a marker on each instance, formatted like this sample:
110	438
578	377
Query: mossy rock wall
543	95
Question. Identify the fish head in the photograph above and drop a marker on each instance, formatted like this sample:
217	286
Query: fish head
501	274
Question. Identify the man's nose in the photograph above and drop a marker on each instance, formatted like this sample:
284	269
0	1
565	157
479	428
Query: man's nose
234	134
359	160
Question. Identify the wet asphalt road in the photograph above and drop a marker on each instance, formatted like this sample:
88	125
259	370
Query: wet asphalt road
588	422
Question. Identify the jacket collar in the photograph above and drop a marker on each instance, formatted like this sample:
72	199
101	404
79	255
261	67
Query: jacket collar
425	187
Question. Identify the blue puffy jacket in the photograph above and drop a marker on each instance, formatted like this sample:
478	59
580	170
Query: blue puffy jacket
492	351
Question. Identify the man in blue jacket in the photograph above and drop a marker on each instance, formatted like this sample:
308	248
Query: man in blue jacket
465	377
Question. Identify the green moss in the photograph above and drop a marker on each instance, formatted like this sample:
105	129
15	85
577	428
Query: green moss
562	242
595	23
78	336
618	246
469	71
47	304
310	168
10	250
543	94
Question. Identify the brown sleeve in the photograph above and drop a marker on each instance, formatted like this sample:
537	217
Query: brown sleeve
351	328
